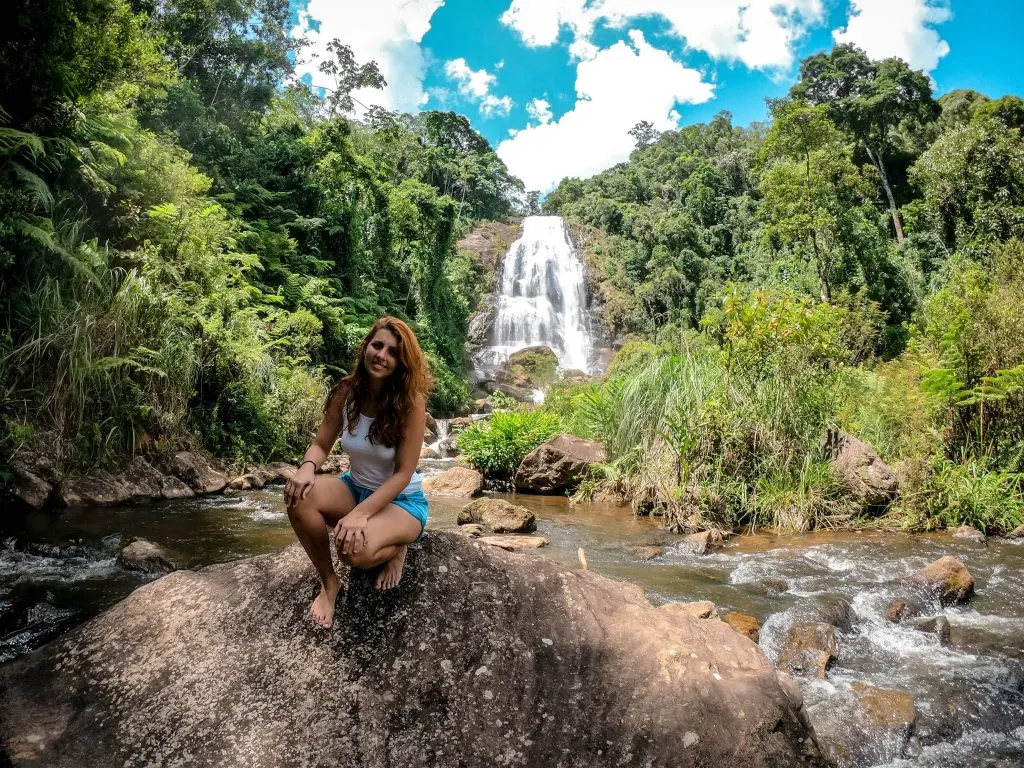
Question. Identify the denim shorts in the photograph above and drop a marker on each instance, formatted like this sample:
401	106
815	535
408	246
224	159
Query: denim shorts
414	503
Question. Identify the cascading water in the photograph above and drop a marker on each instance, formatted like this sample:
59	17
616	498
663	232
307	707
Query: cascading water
543	299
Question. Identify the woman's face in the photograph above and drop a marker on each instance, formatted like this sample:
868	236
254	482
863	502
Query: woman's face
381	358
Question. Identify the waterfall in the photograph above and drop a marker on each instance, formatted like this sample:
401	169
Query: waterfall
543	298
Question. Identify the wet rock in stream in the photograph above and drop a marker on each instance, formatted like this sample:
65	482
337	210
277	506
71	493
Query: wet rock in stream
527	664
809	649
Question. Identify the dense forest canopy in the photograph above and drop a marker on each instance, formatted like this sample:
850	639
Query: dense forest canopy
192	242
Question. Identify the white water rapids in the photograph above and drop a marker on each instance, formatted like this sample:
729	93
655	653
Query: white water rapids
543	299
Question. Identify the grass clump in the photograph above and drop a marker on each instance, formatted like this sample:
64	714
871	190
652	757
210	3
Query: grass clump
497	446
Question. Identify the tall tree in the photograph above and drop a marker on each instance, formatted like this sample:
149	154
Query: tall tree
873	100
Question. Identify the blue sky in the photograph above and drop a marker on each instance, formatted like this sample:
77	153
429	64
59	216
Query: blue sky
556	84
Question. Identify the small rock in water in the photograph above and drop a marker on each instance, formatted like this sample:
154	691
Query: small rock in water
646	552
834	610
900	610
967	532
498	515
887	708
949	579
701	609
1016	533
809	649
457	481
748	626
703	542
936	625
427	452
147	557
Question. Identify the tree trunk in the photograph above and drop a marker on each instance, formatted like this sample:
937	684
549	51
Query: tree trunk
876	159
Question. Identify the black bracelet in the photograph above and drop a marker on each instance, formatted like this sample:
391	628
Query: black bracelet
309	461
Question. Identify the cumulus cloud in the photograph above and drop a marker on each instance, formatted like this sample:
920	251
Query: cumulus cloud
476	84
539	110
617	88
386	31
759	33
902	28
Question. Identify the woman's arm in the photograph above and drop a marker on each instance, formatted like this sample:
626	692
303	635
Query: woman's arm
301	483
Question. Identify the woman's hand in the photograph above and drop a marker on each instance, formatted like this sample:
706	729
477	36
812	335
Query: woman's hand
350	532
298	486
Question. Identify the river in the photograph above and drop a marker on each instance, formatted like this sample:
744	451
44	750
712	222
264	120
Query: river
57	569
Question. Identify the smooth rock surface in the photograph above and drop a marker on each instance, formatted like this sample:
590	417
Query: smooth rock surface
97	488
173	488
144	480
967	532
703	542
701	609
480	658
513	543
647	552
557	465
499	516
855	464
462	482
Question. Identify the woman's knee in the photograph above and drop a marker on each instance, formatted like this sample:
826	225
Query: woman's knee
362	560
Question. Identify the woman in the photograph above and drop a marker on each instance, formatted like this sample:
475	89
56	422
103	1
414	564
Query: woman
377	508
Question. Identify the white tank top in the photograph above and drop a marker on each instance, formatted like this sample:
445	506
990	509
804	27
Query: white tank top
371	464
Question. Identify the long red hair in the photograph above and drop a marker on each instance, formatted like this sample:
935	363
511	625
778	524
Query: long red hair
410	379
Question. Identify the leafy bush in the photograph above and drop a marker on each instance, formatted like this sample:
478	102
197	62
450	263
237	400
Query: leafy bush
498	446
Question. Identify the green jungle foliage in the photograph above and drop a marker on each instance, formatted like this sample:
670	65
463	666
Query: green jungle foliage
857	263
498	446
191	247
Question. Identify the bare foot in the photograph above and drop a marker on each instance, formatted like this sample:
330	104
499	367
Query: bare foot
391	572
322	609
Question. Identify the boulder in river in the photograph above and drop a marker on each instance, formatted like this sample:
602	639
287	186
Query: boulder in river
426	452
967	532
499	516
462	482
479	658
533	367
855	464
746	625
646	552
29	488
1016	533
935	625
557	465
903	608
172	488
948	579
809	649
34	469
195	470
703	542
145	556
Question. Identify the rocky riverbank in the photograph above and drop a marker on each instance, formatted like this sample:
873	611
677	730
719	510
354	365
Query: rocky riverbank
481	658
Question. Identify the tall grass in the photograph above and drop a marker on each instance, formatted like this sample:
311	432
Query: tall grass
498	446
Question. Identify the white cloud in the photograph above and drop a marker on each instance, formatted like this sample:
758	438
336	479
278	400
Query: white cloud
759	33
902	28
616	89
539	110
472	82
386	31
495	105
476	85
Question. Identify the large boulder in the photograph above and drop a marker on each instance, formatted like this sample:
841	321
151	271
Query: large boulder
97	488
948	579
1017	533
860	470
499	516
145	481
197	473
462	482
34	468
557	465
479	658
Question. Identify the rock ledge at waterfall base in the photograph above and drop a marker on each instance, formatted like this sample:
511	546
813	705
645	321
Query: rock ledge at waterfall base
480	658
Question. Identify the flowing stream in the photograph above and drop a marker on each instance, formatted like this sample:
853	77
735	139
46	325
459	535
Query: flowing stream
543	298
58	569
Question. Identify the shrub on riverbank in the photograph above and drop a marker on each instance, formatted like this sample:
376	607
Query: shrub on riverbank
497	446
726	428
